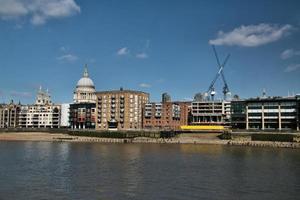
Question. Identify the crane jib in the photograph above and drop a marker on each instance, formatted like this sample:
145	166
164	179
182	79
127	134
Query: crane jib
220	71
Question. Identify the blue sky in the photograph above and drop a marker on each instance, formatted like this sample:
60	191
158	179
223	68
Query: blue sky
154	46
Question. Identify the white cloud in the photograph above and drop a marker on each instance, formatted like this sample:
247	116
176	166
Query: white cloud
147	44
141	55
18	26
20	94
63	49
38	20
91	60
188	99
161	80
292	67
252	35
289	53
123	51
145	85
12	8
68	58
38	11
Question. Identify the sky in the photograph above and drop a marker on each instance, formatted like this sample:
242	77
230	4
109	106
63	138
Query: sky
154	46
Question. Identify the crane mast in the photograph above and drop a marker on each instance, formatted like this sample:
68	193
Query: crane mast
211	89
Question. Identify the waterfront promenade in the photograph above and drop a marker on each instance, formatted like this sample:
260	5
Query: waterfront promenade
52	137
210	138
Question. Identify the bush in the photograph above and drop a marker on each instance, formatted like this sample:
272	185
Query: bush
106	134
115	134
225	136
272	137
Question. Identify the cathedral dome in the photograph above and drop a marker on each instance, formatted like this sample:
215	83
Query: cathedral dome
85	89
85	83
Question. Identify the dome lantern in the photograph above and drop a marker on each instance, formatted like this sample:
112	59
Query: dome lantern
85	73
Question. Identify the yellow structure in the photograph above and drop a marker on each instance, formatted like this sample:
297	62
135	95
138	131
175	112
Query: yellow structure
203	128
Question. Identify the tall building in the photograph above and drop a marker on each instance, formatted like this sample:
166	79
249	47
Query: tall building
83	110
42	114
238	114
266	113
9	115
165	97
166	115
210	112
65	114
120	109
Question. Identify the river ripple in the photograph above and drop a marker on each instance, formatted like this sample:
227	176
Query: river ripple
53	170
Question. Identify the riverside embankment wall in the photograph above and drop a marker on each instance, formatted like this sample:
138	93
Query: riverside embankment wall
239	139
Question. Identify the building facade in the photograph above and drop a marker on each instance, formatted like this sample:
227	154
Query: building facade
238	114
269	113
165	97
210	112
166	115
82	113
120	109
9	115
42	114
65	115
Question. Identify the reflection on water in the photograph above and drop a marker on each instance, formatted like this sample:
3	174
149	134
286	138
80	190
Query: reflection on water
132	165
45	170
201	149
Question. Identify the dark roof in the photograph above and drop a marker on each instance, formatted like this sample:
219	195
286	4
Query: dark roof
119	91
275	98
171	102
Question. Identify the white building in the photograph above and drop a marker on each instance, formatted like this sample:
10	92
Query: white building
210	112
85	90
64	117
267	113
42	114
9	115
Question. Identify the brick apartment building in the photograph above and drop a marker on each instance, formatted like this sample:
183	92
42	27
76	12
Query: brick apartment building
120	109
166	115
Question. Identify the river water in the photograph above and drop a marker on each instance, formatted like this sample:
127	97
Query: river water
47	170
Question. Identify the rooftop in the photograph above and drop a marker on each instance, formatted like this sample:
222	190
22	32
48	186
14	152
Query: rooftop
272	98
121	90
